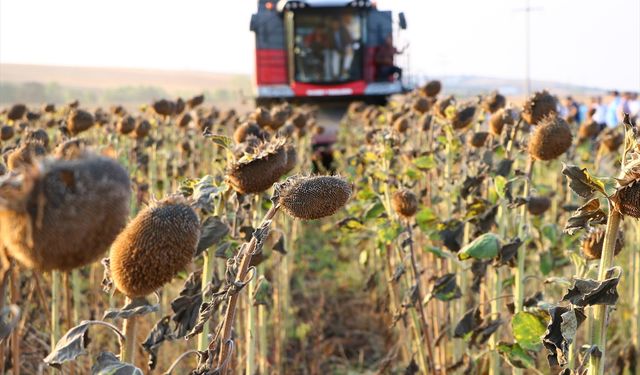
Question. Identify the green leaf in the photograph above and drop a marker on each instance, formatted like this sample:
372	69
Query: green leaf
516	356
412	174
528	330
389	233
484	247
426	219
374	211
546	262
221	140
550	232
500	184
436	251
425	162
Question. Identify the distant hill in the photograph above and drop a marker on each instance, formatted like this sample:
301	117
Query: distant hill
40	83
473	85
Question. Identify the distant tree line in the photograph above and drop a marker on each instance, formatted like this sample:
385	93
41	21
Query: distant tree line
34	92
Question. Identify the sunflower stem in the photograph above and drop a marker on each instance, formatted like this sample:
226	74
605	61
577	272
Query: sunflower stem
127	351
229	316
600	312
55	308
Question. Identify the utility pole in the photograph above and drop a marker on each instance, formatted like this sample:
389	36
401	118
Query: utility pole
527	24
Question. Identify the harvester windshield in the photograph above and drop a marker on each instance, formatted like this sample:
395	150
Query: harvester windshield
327	45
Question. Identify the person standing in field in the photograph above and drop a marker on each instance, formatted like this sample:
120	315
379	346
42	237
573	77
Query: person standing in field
338	42
599	110
634	106
384	61
612	109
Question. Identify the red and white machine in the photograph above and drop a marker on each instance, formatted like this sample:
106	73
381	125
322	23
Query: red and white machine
315	49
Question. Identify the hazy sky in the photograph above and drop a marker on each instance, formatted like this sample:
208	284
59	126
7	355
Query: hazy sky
588	42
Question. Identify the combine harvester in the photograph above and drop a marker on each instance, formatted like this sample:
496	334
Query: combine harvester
322	51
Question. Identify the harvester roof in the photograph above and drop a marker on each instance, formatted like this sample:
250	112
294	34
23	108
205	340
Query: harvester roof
298	4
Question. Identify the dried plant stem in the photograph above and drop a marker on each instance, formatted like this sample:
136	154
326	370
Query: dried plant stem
495	288
229	316
636	293
207	273
15	335
262	339
599	320
68	307
55	308
77	295
250	332
128	350
522	234
420	307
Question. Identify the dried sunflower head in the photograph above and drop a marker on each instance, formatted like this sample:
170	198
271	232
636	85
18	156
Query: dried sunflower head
551	138
627	197
538	106
310	198
592	244
257	171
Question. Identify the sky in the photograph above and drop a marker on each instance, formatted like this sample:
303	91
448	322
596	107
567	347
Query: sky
593	43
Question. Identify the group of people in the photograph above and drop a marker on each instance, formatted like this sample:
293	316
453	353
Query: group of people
609	111
334	52
331	50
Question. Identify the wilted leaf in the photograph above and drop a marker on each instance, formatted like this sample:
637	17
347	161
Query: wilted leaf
212	231
470	185
559	334
224	251
504	167
445	288
109	364
482	334
397	274
451	234
279	243
412	368
70	346
204	193
528	330
9	318
107	282
581	182
137	307
516	356
486	220
507	255
588	292
263	293
479	271
588	214
186	306
484	247
469	323
158	334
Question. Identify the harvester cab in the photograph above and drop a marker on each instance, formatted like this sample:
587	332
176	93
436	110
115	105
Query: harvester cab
314	50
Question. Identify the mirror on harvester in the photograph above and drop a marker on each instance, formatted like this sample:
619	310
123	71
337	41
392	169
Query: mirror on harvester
402	20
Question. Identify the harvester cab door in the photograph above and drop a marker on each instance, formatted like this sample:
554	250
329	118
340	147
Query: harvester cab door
271	51
379	26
